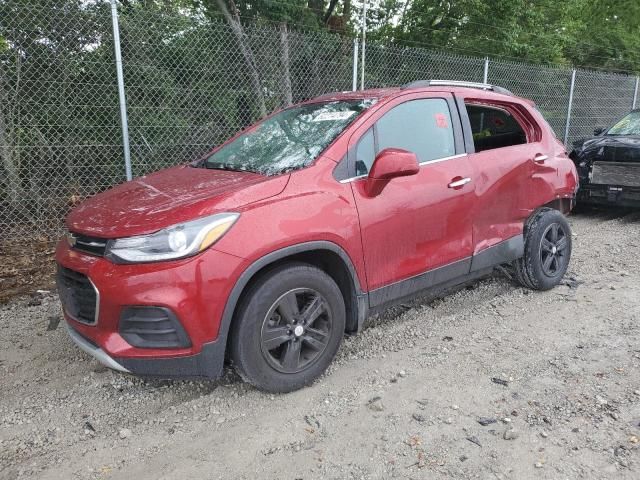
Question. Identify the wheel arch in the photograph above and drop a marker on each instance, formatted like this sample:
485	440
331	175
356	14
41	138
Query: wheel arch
563	204
327	256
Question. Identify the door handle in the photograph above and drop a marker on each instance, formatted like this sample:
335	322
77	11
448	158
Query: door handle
459	183
540	158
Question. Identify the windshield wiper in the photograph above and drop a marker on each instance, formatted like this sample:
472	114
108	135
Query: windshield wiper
227	166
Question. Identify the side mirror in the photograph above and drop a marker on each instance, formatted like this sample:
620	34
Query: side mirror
598	130
388	164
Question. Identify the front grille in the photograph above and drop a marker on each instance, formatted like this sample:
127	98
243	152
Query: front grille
616	173
78	295
87	244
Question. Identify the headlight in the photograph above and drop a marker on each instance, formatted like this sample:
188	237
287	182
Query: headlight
178	241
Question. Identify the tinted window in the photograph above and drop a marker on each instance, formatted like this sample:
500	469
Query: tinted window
494	128
420	126
365	153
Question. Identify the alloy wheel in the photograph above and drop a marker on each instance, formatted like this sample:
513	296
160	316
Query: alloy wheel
553	250
296	330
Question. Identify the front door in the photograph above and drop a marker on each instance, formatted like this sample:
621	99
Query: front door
418	230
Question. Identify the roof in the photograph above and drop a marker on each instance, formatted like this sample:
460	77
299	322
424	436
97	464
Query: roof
481	90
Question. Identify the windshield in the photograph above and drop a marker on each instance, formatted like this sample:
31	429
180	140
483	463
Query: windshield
289	140
629	125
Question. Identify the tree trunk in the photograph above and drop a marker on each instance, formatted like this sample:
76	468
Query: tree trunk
330	9
286	71
12	170
346	12
10	162
247	53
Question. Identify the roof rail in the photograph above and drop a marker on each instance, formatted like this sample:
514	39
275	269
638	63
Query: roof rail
456	83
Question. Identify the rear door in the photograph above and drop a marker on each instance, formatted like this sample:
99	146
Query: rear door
421	223
503	163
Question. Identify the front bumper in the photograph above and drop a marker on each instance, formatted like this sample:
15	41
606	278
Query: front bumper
194	289
95	351
206	364
595	194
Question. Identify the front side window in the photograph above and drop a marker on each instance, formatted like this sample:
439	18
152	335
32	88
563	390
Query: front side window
629	125
365	153
494	127
419	126
289	140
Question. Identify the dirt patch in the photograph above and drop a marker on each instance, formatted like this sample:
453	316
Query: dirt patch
494	381
26	268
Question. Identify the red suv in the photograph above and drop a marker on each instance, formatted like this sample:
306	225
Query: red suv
271	247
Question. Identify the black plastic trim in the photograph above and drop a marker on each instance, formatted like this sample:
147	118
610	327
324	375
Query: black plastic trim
208	364
502	252
423	281
435	290
341	170
449	275
95	246
79	296
466	125
148	326
458	133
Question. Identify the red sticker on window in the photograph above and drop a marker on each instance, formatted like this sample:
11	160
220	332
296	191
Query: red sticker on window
441	120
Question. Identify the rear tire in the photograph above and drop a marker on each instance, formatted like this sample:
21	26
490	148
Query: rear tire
288	328
547	250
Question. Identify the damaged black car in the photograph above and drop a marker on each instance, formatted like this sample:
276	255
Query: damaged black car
609	164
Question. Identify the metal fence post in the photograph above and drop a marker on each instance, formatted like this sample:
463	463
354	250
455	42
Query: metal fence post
566	127
121	94
485	78
364	40
355	64
635	94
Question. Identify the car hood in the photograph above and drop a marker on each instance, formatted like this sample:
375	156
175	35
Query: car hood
609	149
175	195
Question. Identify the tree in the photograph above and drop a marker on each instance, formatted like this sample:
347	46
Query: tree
595	33
604	34
233	18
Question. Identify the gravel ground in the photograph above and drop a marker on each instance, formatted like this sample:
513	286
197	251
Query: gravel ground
493	381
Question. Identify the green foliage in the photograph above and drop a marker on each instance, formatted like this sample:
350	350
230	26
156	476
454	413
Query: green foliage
591	33
605	33
303	14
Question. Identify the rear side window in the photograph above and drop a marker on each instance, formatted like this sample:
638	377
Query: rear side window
419	126
494	127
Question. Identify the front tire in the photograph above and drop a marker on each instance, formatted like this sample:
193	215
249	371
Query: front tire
288	328
547	250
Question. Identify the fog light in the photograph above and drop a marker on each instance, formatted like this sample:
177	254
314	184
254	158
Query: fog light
152	327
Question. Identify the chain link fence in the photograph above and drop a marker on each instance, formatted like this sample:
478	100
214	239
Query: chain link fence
191	81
